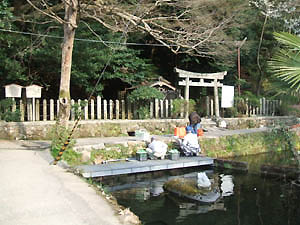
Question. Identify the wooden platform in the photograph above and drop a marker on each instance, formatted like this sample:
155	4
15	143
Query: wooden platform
134	166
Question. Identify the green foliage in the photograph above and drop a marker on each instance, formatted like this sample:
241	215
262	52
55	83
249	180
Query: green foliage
285	64
142	97
145	93
59	136
179	106
6	112
279	139
116	152
5	14
230	112
78	109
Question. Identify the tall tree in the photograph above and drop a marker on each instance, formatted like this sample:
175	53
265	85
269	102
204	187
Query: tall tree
282	11
195	27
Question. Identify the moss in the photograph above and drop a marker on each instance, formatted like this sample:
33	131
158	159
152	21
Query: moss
238	145
64	94
110	130
187	186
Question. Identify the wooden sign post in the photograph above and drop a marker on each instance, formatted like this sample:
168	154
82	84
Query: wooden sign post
33	91
201	83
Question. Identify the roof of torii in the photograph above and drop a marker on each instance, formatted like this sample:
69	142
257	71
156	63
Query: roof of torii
184	74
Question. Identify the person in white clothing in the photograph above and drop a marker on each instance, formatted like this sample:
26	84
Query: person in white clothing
190	145
157	149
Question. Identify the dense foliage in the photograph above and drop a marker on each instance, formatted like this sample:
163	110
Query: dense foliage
30	46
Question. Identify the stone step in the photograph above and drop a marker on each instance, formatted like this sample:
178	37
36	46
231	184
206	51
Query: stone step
208	123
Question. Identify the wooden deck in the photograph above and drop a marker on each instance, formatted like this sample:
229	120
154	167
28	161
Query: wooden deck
134	166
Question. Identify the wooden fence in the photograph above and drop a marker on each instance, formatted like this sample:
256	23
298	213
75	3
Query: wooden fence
102	109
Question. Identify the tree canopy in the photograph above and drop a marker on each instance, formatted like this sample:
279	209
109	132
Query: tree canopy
127	42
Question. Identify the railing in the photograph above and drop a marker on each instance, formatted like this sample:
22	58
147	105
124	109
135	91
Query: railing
102	109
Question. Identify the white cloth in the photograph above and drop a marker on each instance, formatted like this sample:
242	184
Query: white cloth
157	149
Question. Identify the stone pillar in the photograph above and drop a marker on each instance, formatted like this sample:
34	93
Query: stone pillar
216	95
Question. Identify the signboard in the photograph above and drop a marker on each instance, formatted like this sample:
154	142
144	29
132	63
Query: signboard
13	91
33	91
227	96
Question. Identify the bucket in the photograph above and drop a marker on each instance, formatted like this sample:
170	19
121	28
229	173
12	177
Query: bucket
200	132
180	132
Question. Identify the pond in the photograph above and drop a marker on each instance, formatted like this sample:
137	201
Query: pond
249	199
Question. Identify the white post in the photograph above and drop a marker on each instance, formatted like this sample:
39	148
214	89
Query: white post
117	109
92	109
44	110
161	109
105	108
111	106
33	109
167	108
86	109
51	109
156	108
211	107
98	107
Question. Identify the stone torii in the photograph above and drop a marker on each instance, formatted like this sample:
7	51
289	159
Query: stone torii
201	83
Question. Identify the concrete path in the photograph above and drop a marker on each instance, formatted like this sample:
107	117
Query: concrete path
34	193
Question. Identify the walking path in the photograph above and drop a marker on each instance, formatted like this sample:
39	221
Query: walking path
32	192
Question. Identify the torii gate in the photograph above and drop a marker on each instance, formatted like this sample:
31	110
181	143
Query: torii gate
201	76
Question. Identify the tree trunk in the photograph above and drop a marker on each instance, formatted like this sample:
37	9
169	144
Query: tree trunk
260	79
71	7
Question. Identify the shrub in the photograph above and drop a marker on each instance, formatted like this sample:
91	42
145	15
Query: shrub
179	106
143	96
6	112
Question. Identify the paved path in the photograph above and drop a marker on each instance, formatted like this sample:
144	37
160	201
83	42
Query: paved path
34	193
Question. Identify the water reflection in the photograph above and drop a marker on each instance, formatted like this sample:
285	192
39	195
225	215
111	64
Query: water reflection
226	185
245	199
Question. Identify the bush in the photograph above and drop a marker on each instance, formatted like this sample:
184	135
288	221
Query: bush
59	136
6	112
142	96
179	106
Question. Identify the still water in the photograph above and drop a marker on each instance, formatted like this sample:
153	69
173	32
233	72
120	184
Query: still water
245	199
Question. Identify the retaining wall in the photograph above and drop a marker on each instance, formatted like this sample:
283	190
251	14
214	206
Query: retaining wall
41	130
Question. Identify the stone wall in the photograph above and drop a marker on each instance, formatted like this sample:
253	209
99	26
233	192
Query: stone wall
255	122
94	128
41	130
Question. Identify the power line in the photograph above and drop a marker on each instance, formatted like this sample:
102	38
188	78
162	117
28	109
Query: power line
85	40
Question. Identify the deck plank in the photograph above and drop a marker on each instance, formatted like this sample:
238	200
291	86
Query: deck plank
134	166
